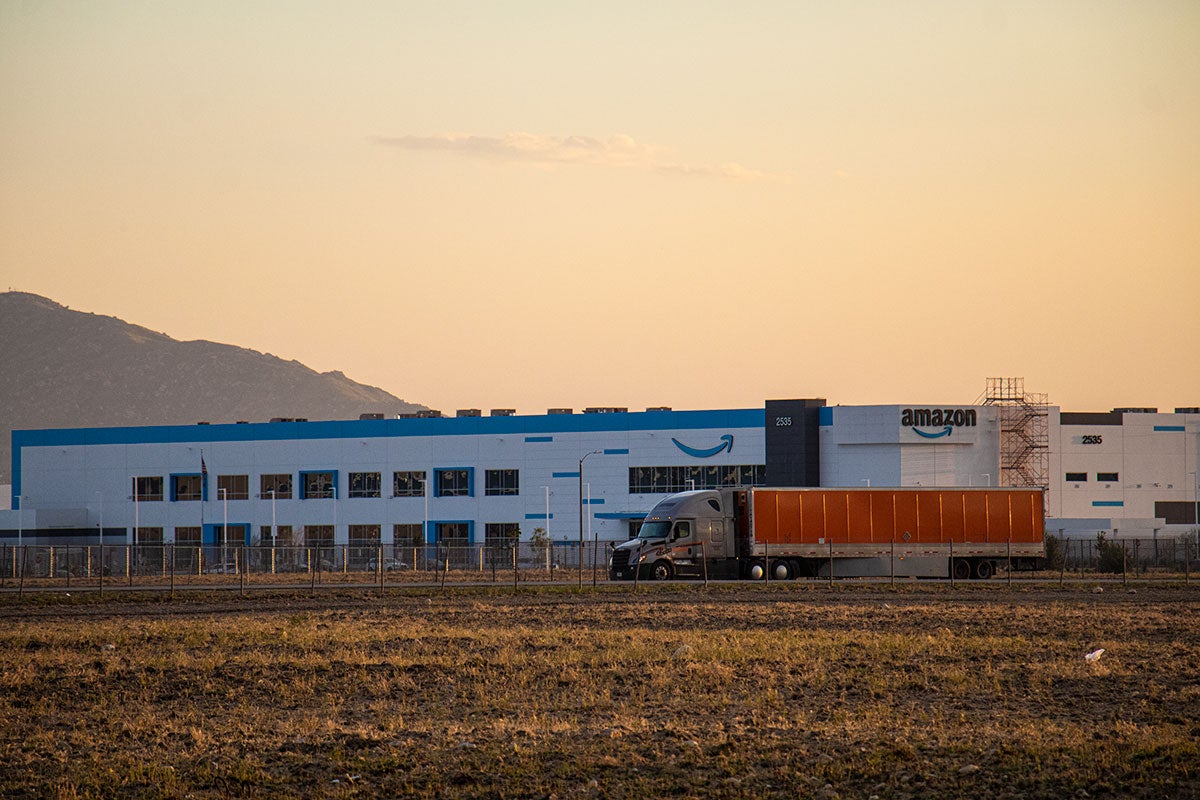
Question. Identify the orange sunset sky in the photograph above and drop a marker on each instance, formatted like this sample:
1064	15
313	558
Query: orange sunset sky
693	204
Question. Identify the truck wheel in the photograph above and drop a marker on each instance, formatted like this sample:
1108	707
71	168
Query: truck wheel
962	569
984	569
662	571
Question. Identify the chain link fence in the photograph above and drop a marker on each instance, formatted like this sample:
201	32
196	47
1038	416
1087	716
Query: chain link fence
178	565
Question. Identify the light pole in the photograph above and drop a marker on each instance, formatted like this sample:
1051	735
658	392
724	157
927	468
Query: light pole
581	460
20	531
100	528
272	493
136	513
224	525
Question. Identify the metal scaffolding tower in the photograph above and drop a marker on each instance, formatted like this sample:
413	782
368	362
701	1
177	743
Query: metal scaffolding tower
1024	432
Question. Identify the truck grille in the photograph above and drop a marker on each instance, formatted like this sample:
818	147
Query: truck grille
620	560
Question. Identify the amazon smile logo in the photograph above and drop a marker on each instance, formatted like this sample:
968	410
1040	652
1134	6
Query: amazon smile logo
698	452
947	419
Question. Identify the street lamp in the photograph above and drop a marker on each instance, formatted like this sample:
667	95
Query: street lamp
20	530
224	526
585	457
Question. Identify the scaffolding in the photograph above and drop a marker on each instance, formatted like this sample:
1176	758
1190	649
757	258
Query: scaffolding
1024	432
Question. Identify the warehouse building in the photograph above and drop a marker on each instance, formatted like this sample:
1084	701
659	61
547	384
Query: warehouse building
476	479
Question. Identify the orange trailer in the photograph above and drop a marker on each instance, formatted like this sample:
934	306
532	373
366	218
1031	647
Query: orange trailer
849	532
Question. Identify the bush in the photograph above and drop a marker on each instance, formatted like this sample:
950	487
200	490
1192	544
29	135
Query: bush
1112	555
1056	555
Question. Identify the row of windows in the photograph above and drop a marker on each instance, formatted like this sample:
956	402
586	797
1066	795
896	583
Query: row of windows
318	484
1101	477
455	482
668	480
496	534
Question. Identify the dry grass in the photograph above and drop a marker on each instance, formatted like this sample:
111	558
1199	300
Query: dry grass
736	692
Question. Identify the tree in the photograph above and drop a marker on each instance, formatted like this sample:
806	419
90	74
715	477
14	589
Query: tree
1112	554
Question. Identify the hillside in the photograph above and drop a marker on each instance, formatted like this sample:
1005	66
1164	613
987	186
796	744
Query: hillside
69	369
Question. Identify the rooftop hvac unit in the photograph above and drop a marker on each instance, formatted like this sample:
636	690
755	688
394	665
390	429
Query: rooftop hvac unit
1188	410
372	415
1135	410
605	410
468	412
289	419
560	411
503	412
429	413
659	408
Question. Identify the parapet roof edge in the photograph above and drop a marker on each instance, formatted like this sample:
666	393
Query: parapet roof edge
388	428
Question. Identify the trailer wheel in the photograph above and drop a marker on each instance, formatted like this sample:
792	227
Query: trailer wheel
984	569
962	569
782	571
662	571
757	571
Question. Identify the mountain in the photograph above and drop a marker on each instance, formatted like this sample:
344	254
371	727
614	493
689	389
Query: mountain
69	369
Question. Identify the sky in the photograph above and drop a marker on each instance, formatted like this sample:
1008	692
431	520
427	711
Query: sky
692	204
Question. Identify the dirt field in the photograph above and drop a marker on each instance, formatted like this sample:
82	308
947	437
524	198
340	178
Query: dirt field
789	691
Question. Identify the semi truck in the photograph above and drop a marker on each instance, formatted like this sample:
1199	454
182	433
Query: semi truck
786	533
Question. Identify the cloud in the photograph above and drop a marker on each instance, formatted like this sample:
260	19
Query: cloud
614	151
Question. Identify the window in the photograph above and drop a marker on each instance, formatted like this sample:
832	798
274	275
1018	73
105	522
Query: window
317	485
187	536
364	484
320	539
407	536
1107	477
148	489
364	544
233	487
1076	477
501	534
277	486
452	482
454	534
501	482
187	487
500	538
187	549
668	480
408	484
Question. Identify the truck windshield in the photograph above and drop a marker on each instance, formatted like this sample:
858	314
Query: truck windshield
654	530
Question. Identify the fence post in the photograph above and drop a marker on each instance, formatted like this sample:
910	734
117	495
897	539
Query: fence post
952	562
1124	575
241	566
1010	558
704	563
312	572
172	570
24	558
514	556
893	559
830	562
